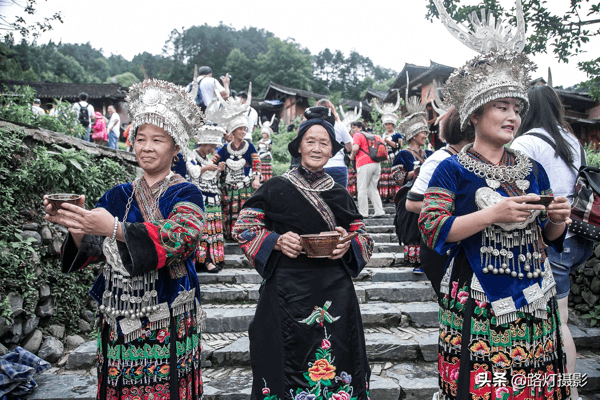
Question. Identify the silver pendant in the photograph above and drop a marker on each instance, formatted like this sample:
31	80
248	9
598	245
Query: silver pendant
522	184
494	184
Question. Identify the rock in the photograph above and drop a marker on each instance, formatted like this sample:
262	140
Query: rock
38	271
597	270
32	234
33	342
35	258
4	326
16	303
44	291
58	331
595	285
577	299
72	386
46	235
83	357
404	322
51	349
93	304
16	331
582	307
63	361
386	347
591	262
30	226
597	251
579	279
88	316
84	326
31	323
3	350
589	272
575	289
590	298
54	247
45	308
74	341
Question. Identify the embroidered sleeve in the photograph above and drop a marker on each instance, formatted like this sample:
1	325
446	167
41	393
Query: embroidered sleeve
436	218
362	248
89	252
153	245
399	173
255	240
256	165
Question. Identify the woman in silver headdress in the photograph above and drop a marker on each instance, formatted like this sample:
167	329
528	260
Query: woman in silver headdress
499	319
393	142
147	233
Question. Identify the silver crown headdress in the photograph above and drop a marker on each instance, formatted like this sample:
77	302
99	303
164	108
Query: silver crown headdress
416	121
265	127
388	110
233	112
165	105
501	71
350	116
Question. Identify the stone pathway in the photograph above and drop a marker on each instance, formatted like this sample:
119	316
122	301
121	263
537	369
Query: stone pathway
399	314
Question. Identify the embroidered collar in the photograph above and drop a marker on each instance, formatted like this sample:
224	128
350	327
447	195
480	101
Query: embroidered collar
309	175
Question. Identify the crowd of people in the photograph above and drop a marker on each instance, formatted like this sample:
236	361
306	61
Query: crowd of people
470	216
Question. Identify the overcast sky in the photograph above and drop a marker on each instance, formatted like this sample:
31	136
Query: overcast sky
391	33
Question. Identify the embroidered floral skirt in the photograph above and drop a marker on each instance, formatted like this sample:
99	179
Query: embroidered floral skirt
408	232
352	179
306	338
163	364
266	168
211	246
233	199
386	184
479	360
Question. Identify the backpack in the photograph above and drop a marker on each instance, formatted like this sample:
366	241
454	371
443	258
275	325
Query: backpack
84	116
376	145
199	100
585	208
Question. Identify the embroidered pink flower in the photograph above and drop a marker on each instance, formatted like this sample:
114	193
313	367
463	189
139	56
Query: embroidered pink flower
481	304
502	393
163	335
454	289
462	297
266	391
341	396
325	344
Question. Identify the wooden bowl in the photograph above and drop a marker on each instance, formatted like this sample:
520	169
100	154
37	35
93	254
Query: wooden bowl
322	245
544	200
57	199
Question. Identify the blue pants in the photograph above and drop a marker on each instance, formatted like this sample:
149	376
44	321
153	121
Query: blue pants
576	251
339	175
89	130
112	140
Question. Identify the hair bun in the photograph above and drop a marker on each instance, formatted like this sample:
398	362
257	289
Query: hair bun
323	113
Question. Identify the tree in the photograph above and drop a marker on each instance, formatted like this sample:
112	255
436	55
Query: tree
241	68
20	25
285	63
565	34
125	79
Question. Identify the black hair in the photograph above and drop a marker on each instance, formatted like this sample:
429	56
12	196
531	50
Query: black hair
204	70
243	95
451	129
546	111
83	96
359	124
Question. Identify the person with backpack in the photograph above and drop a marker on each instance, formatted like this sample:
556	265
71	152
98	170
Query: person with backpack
546	137
85	113
369	151
404	167
207	85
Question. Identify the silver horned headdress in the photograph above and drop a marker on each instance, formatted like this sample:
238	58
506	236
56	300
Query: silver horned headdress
388	110
165	105
416	121
265	127
501	71
233	113
211	132
350	116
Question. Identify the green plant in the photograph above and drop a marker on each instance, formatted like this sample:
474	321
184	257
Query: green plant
593	316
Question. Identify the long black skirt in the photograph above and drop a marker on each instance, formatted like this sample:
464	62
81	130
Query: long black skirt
307	334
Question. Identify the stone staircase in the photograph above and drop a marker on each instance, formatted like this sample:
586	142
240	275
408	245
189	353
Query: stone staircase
399	314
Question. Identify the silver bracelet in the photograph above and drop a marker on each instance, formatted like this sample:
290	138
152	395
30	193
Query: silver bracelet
554	223
114	234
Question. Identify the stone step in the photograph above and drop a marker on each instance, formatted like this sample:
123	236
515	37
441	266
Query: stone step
377	260
384	237
395	292
382	228
249	276
389	208
236	318
388	248
371	222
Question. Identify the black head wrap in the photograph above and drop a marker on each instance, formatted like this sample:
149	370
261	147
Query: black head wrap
316	116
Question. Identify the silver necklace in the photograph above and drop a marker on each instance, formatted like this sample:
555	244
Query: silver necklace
237	153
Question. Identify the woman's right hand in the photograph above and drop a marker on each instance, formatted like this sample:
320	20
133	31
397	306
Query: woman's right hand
209	167
289	244
514	209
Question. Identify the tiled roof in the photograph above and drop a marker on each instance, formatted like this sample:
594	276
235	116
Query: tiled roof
70	90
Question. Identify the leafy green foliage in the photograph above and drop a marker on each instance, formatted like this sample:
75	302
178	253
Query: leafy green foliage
593	316
26	174
592	156
16	107
125	79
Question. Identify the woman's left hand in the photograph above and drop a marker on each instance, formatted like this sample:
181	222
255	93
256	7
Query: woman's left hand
255	183
342	248
559	210
97	222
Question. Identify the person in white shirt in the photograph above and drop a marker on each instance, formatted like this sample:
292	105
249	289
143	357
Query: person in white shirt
207	85
336	167
36	107
561	163
86	123
252	117
114	128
